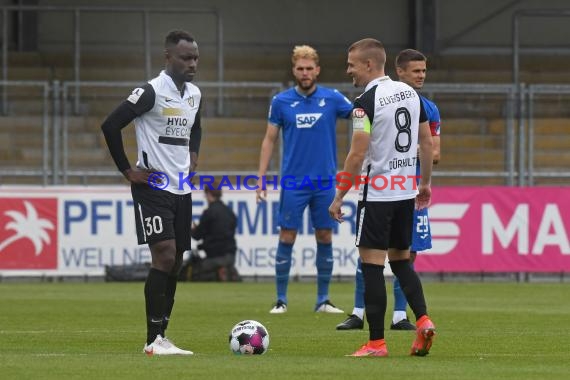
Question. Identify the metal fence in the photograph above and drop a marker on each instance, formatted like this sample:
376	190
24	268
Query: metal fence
20	167
78	11
547	107
480	109
483	137
242	99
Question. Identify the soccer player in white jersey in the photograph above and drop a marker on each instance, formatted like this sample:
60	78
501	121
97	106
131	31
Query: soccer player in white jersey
166	114
389	122
411	68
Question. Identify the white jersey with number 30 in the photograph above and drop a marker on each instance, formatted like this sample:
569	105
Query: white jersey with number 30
391	112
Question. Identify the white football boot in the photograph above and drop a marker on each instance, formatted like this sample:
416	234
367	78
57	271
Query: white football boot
279	308
162	346
328	307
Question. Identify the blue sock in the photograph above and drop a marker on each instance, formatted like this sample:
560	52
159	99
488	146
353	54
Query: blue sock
282	269
359	286
400	302
324	271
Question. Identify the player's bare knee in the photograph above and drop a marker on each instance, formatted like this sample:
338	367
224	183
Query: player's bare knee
164	263
178	260
413	255
287	236
323	236
163	255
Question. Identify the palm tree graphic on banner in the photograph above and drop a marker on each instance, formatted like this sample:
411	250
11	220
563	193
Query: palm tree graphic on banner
28	226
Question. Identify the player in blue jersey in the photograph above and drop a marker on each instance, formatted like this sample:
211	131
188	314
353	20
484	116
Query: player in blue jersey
306	116
411	69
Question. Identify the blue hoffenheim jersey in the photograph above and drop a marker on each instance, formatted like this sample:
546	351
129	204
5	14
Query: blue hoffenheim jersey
308	126
421	234
434	123
432	115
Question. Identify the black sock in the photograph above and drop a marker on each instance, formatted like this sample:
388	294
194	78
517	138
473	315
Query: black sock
155	294
374	299
411	286
169	300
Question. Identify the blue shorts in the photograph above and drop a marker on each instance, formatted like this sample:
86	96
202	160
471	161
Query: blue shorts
293	203
421	233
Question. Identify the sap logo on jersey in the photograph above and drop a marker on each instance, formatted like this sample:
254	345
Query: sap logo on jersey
307	120
28	233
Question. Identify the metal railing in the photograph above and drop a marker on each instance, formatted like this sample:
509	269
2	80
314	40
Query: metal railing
78	10
533	93
44	172
268	89
57	103
507	91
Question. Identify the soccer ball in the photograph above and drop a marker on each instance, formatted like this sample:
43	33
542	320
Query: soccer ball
249	337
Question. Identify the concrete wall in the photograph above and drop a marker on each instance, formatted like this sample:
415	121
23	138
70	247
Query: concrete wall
470	21
327	24
253	24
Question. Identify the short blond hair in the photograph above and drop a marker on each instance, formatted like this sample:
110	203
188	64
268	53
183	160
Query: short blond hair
306	52
370	49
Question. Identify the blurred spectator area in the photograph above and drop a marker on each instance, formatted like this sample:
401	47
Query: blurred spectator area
41	129
474	127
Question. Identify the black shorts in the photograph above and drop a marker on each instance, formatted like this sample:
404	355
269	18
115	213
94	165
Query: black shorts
161	215
383	225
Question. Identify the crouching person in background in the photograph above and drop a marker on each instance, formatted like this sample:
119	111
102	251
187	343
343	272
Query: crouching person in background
216	229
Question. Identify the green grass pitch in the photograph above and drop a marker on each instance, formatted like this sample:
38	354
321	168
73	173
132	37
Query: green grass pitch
97	331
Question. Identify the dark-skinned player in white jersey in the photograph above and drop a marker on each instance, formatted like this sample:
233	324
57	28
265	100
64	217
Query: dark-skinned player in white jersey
166	114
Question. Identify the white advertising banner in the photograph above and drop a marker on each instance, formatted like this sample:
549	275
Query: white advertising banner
80	230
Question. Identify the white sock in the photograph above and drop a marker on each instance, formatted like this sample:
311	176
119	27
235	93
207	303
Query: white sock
359	312
398	316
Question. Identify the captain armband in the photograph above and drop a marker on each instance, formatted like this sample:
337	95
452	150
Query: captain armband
360	121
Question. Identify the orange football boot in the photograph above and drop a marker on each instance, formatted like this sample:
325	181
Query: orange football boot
372	348
425	333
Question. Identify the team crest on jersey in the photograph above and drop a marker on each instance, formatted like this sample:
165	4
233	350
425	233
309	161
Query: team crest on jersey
360	121
191	101
307	120
358	113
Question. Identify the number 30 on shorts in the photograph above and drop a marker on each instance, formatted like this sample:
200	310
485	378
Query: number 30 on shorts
153	225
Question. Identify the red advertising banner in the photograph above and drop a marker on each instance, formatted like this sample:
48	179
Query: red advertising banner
28	239
498	229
